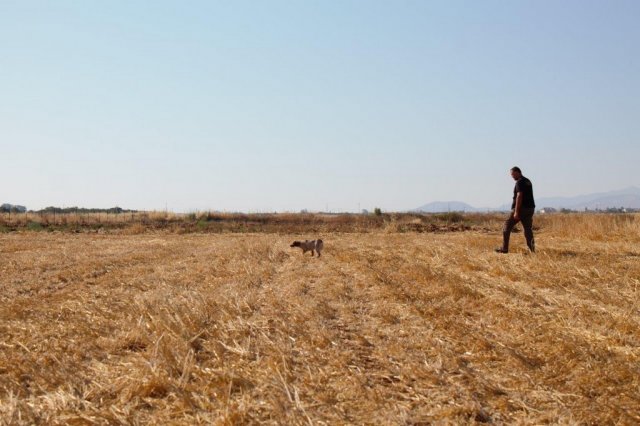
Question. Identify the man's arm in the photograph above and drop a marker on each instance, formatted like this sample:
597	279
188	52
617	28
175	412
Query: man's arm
516	213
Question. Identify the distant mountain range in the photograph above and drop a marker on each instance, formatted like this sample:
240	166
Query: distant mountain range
627	198
447	206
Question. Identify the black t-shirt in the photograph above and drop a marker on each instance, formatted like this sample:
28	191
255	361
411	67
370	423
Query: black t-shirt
524	185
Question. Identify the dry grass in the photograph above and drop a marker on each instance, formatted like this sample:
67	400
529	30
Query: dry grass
387	327
211	222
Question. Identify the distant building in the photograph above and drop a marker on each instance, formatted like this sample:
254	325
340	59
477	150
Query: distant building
547	210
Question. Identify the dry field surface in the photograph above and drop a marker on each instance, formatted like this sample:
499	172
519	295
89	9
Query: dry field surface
385	328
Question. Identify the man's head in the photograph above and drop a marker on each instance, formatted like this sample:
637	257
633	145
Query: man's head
516	173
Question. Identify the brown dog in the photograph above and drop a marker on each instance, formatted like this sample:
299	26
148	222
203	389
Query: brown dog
307	245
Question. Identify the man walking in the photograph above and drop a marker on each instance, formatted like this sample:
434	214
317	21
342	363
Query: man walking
522	210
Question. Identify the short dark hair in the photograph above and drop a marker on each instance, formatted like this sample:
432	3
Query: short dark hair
516	169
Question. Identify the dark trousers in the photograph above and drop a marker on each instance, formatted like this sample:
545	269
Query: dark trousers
526	217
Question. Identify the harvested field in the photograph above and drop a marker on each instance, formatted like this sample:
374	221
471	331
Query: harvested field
386	327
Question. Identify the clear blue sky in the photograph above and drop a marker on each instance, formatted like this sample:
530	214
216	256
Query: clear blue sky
289	105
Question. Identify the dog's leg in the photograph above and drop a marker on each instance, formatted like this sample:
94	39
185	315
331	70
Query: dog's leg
312	253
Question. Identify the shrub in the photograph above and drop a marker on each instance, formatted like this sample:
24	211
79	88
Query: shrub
453	217
34	226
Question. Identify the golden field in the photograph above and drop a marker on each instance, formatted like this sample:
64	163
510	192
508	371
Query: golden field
403	320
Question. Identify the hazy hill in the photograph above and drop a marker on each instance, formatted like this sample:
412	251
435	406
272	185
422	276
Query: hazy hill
446	206
627	198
